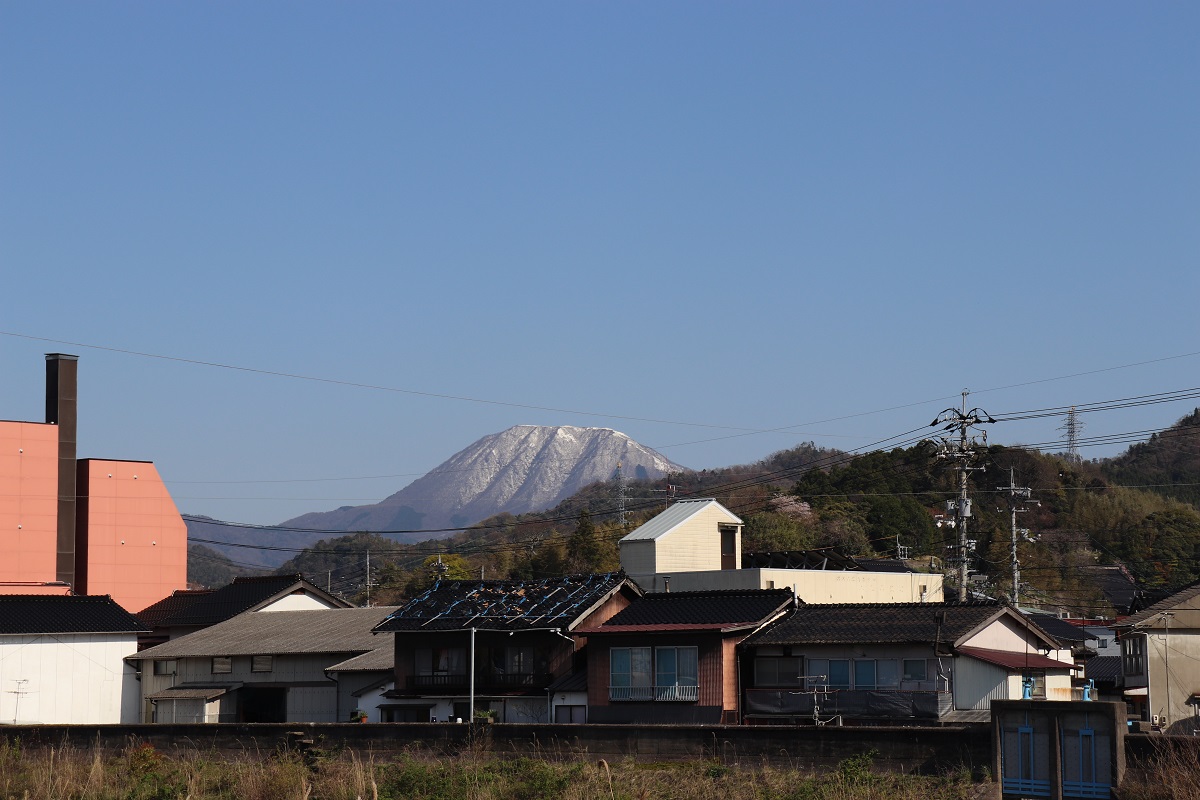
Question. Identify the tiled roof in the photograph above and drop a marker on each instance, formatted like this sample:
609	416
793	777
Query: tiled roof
37	614
571	682
504	605
679	512
1103	668
242	595
699	610
1060	629
180	600
1166	604
327	630
877	623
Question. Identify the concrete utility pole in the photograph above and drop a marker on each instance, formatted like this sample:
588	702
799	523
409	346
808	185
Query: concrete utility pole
1016	496
962	451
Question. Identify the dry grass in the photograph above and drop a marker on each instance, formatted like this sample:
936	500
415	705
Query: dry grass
144	773
1172	773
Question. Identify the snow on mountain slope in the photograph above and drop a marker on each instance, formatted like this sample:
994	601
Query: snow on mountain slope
525	468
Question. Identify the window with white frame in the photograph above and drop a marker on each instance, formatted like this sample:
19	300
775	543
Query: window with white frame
629	674
676	675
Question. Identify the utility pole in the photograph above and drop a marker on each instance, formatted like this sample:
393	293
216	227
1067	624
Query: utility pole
1016	496
962	451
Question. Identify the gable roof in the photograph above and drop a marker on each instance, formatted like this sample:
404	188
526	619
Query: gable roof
177	602
724	610
24	614
243	594
1166	604
675	515
1010	659
382	658
886	623
326	630
505	605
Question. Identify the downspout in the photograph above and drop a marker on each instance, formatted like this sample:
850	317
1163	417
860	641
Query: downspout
471	706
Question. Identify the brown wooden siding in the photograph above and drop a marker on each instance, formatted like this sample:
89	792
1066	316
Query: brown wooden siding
711	656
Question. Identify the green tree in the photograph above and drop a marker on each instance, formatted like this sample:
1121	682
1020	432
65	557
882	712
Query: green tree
583	548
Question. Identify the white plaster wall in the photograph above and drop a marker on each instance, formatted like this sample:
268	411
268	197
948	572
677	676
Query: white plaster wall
68	679
298	602
1009	634
811	586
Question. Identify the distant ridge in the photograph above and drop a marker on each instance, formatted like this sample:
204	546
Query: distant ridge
525	468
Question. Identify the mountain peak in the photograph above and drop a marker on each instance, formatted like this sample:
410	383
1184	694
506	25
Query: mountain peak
521	469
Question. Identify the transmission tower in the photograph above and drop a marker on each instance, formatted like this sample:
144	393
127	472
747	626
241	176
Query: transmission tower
1017	495
962	451
1073	427
622	495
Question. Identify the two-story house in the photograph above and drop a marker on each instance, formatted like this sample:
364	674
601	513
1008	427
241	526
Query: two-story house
495	645
1160	659
894	662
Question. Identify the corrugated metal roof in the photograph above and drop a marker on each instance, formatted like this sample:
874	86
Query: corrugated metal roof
382	658
1014	660
681	511
328	630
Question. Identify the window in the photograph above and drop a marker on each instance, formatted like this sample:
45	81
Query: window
164	667
831	672
261	663
629	676
675	677
887	673
666	673
914	669
1131	652
222	665
778	671
864	674
1039	682
441	661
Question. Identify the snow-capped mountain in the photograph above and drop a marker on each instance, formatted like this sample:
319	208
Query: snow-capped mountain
525	468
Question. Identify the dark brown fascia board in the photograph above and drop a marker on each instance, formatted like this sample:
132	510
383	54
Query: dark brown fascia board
624	585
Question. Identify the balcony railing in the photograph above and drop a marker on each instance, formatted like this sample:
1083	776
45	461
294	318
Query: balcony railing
486	681
672	693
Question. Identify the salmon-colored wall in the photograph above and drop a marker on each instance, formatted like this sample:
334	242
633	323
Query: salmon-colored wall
28	502
131	532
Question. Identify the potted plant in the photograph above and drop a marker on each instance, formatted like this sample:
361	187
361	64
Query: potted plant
358	715
485	715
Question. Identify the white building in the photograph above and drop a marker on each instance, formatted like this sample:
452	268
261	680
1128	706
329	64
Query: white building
696	545
62	660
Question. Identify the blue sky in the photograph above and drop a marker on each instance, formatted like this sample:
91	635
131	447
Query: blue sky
738	215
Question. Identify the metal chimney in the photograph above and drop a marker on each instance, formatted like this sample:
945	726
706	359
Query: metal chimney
62	393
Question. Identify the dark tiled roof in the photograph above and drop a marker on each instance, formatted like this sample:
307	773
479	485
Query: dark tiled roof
1060	629
1166	604
711	608
35	614
1103	668
504	605
229	601
571	682
883	565
877	623
823	559
180	600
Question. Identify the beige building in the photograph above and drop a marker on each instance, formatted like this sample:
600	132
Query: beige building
1160	660
696	546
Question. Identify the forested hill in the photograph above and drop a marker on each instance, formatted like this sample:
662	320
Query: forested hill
1138	510
1167	464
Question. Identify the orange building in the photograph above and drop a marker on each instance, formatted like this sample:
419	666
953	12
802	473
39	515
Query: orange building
89	526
